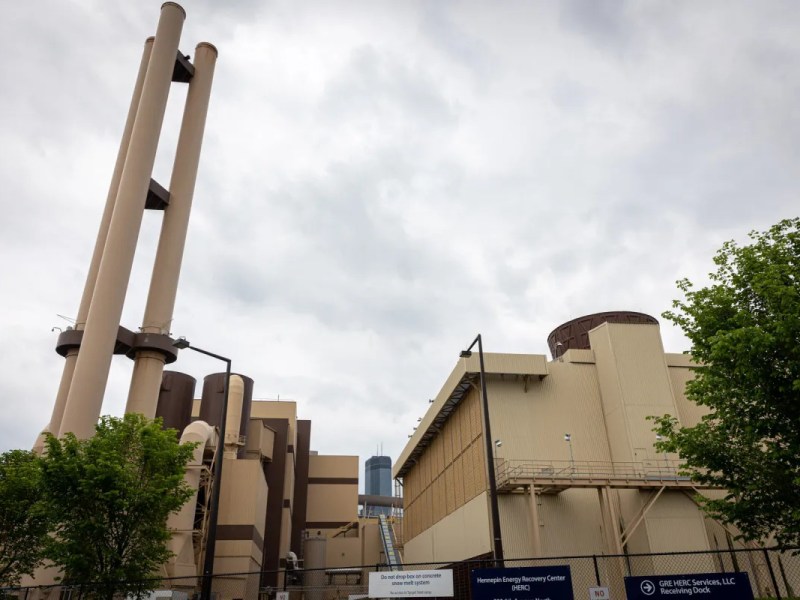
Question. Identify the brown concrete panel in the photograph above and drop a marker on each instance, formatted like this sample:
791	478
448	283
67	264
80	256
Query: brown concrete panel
273	472
300	485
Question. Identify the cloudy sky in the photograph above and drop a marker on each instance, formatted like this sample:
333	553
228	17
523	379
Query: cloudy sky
380	181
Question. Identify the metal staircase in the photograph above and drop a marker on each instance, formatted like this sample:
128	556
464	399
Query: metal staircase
393	558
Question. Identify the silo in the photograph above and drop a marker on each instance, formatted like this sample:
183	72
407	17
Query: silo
175	399
314	548
212	400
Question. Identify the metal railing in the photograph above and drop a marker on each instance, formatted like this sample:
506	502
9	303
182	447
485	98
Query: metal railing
668	472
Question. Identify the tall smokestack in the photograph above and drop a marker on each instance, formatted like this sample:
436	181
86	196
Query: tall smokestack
98	335
149	365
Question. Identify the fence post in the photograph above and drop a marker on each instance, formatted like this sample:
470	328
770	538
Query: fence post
789	590
596	569
772	575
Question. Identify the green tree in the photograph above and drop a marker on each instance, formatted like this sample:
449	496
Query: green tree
744	330
23	522
109	497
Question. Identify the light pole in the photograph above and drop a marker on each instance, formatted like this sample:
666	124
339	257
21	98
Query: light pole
568	439
211	538
497	546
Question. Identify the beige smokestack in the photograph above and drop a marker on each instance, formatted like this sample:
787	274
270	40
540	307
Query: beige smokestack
85	398
72	354
143	394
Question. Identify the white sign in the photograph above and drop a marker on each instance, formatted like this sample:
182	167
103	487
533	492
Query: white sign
406	584
599	593
281	595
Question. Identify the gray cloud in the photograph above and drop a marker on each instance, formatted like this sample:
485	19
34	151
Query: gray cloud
382	181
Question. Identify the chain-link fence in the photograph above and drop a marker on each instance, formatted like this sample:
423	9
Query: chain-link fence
772	574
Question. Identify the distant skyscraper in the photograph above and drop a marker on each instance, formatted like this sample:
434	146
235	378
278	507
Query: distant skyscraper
378	481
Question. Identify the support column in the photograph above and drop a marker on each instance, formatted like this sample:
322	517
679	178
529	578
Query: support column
85	398
149	365
613	522
614	567
604	519
91	277
536	534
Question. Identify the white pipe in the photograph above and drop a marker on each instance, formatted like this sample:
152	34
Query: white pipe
234	419
181	523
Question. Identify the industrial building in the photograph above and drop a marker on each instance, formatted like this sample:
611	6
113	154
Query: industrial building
277	495
572	451
262	497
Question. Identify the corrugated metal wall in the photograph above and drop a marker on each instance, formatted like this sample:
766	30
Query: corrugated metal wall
451	471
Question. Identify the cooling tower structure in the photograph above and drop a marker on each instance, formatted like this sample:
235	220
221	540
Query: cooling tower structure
89	347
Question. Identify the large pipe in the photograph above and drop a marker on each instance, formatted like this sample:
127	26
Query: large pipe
85	398
88	289
181	523
213	399
384	501
149	365
314	564
235	401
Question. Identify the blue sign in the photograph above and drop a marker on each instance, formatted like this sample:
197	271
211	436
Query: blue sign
704	586
525	583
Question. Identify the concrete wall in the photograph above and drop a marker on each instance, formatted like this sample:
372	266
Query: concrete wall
332	492
462	534
243	504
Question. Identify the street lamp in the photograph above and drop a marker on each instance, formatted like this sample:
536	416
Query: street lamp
497	547
211	539
568	439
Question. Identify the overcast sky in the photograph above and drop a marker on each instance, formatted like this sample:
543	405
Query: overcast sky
380	181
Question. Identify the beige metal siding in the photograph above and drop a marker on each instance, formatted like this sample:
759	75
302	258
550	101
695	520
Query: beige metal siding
450	472
571	523
532	423
515	525
674	523
689	413
635	384
462	534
